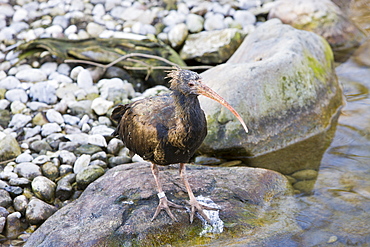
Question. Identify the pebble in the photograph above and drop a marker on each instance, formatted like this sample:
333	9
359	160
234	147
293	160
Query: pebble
101	106
19	121
177	35
49	67
88	175
81	163
64	188
332	239
43	92
4	104
38	211
2	223
20	15
101	130
13	225
65	169
19	182
17	107
31	132
244	17
20	203
114	146
54	117
28	170
41	159
94	29
24	157
44	188
305	175
214	22
84	79
118	160
31	75
5	199
97	140
115	89
194	23
173	18
67	157
10	82
50	128
16	94
40	145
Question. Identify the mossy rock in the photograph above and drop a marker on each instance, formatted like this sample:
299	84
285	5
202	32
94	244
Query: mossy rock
283	83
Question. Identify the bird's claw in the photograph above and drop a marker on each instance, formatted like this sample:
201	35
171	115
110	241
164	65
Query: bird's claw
165	204
197	207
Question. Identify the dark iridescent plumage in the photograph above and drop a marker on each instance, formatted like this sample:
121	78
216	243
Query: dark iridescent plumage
168	129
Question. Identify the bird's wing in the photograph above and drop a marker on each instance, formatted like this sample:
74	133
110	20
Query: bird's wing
144	124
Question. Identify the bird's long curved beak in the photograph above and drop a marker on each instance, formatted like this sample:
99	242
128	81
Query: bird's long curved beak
208	92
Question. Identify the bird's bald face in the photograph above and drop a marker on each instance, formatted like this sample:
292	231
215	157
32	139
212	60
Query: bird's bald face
185	81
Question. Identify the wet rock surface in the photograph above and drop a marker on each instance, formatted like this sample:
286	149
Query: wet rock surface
117	209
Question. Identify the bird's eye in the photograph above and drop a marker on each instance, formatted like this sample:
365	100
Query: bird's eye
191	84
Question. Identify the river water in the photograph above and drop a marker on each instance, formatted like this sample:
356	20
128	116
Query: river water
338	211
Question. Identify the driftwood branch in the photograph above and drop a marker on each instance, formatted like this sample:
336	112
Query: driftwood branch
145	65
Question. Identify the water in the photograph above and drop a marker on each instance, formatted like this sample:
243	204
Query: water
338	211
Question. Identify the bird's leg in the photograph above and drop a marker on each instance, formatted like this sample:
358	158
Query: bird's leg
195	206
164	203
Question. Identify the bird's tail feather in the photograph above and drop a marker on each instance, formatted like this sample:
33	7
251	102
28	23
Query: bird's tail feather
117	116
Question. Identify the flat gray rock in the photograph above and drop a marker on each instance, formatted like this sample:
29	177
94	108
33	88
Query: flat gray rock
116	209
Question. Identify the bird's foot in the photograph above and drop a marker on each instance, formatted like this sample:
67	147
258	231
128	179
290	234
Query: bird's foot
197	207
165	204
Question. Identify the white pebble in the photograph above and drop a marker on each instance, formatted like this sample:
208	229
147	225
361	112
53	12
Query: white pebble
94	29
16	95
31	75
214	22
24	157
20	15
50	128
81	163
42	159
19	121
101	106
84	79
54	117
244	17
4	103
72	29
9	82
177	35
49	67
17	107
97	140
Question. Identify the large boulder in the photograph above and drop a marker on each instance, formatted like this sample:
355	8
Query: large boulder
115	210
322	17
283	83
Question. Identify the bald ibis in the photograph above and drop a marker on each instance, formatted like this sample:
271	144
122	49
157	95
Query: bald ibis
168	129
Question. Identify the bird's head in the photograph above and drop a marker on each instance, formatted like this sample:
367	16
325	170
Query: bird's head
190	83
185	81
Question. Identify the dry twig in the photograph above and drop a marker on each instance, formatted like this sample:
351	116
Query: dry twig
145	65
